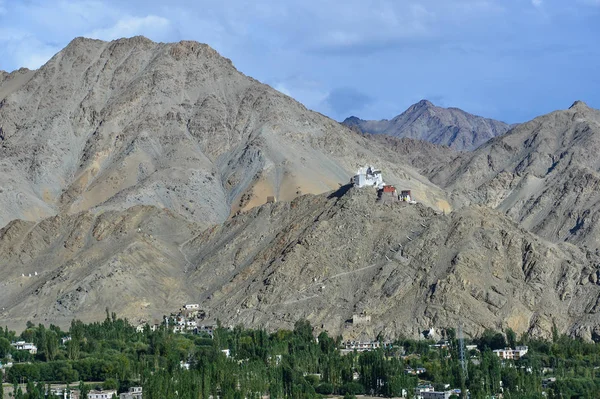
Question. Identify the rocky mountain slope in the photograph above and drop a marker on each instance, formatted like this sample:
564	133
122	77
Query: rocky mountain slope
107	126
134	176
323	257
543	174
445	126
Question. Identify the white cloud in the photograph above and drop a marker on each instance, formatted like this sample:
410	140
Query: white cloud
537	3
23	49
151	25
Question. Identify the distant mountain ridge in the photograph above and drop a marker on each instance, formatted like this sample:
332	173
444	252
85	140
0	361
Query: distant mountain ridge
452	127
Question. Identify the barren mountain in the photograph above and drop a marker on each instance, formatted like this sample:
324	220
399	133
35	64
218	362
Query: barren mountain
107	126
543	174
445	126
323	257
134	176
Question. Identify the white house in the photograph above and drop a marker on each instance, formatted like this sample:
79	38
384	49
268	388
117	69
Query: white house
511	354
107	394
133	393
191	306
25	346
191	324
436	395
361	346
63	393
423	388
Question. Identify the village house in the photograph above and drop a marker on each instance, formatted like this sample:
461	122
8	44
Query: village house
440	394
103	394
25	346
363	346
208	329
190	310
440	345
423	388
387	194
132	393
63	393
511	354
405	195
191	324
178	329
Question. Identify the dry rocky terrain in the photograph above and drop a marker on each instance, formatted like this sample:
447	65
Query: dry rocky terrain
134	176
324	257
544	174
107	126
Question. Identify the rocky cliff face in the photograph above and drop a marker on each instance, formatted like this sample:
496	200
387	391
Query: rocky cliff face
444	126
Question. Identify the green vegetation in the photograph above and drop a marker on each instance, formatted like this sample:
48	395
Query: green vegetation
286	364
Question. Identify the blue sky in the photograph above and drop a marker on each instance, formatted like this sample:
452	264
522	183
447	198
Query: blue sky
507	59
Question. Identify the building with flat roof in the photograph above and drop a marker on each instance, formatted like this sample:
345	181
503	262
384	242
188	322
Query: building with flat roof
132	393
511	354
103	394
25	346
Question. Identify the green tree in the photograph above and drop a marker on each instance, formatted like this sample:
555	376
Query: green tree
4	347
511	338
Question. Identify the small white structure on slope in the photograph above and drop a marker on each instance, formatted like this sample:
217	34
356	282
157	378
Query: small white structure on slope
368	176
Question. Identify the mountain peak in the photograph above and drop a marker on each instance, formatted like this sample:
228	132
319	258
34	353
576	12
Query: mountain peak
451	127
352	119
579	105
424	104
